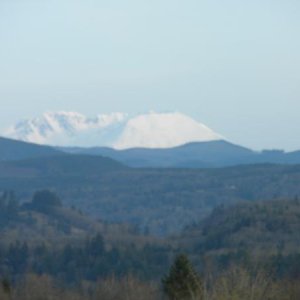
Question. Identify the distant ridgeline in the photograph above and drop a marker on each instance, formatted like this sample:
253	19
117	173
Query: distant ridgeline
16	150
212	154
159	201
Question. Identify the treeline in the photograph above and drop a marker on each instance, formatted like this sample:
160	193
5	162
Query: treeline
235	283
250	233
43	237
158	201
247	251
91	260
88	261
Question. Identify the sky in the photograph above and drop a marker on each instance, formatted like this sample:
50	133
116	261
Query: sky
233	65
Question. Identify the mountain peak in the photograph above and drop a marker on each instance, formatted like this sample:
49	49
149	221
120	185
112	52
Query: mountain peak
163	130
117	130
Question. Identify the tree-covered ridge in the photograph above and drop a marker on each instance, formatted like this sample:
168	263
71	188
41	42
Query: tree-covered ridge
157	201
259	227
250	245
61	165
15	150
43	237
44	220
211	154
258	233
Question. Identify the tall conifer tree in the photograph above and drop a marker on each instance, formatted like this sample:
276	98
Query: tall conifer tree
183	282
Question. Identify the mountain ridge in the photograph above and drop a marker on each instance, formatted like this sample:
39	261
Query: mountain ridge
115	130
211	154
11	149
192	155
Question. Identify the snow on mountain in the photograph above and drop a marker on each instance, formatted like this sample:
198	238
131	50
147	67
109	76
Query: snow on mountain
163	130
66	129
117	130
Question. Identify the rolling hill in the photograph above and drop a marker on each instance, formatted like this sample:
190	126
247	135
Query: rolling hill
212	154
192	155
16	150
266	232
39	221
157	200
160	201
63	165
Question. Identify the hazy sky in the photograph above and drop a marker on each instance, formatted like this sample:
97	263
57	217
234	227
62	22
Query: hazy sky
231	64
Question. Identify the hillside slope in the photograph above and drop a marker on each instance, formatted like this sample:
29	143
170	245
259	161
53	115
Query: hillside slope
16	150
213	154
258	228
161	201
193	155
64	165
44	221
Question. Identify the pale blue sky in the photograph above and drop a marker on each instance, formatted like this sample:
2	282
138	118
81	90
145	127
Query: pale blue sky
233	65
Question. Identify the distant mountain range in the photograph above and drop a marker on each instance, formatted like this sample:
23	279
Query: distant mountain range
97	181
157	189
168	140
160	201
212	154
115	130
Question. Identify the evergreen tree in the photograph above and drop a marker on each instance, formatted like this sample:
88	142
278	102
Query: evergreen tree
6	286
44	200
183	282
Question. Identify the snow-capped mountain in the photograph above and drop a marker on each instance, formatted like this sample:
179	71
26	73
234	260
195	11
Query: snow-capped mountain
163	130
116	130
67	129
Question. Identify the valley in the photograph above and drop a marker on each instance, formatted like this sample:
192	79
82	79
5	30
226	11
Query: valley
74	214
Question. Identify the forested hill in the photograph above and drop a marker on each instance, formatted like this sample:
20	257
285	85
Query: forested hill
15	150
265	233
43	219
42	236
60	165
192	155
259	227
213	154
159	201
